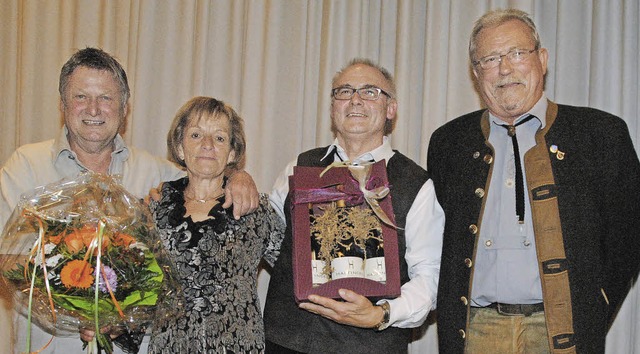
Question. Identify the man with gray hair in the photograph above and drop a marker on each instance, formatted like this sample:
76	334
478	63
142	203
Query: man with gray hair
541	203
363	109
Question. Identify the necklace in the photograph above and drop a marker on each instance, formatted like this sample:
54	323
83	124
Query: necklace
202	201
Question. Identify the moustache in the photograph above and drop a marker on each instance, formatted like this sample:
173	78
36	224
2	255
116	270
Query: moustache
503	83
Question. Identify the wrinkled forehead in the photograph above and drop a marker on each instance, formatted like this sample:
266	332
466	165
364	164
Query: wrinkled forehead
504	37
360	75
84	75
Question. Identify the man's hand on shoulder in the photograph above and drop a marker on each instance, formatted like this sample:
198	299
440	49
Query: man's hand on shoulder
154	194
242	193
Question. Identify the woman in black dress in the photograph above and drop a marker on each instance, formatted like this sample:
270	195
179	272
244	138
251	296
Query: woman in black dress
215	255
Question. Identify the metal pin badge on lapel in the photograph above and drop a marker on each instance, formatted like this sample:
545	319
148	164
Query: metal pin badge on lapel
554	150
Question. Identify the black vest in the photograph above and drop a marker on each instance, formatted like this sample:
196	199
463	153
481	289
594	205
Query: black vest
291	327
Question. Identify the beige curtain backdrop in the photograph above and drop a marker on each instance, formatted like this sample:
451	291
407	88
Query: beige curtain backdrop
274	60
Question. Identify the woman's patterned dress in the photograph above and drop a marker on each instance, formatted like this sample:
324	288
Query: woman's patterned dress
216	261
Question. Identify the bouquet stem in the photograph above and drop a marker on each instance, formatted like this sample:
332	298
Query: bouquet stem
100	340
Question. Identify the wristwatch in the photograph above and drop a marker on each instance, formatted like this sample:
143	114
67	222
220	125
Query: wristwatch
386	313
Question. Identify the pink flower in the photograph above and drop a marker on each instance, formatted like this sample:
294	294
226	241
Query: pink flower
112	278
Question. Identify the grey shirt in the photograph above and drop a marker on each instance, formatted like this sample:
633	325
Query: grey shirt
506	265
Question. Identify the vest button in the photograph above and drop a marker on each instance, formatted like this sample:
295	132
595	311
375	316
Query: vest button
468	262
464	300
462	334
476	154
479	192
473	229
488	159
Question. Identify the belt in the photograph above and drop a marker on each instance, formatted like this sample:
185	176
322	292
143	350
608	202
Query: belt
517	309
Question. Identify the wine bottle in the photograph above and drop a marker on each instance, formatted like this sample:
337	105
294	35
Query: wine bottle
319	275
374	267
349	258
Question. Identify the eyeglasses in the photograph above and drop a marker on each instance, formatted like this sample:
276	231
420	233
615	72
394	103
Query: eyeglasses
370	93
514	56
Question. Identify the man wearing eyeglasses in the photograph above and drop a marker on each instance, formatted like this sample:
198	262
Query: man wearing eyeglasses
363	109
541	203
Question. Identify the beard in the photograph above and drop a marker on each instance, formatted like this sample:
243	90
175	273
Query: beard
510	96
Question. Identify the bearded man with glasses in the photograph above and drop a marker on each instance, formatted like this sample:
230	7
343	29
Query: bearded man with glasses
541	203
363	108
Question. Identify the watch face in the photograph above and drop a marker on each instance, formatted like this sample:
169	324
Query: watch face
386	313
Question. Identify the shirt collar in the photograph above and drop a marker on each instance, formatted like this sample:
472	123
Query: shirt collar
382	152
539	110
61	145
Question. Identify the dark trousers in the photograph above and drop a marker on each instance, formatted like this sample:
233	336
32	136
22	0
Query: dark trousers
273	348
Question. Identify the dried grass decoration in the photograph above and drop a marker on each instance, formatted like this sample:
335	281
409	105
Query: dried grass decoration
347	240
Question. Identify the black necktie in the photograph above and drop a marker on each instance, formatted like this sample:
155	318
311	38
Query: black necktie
511	130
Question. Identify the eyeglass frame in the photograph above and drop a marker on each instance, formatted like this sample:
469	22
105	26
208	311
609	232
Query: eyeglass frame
357	90
499	57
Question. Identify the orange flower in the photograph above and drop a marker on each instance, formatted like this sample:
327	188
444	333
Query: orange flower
123	240
87	233
77	274
74	243
55	239
83	237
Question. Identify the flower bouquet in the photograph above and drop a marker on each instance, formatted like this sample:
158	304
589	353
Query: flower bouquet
84	254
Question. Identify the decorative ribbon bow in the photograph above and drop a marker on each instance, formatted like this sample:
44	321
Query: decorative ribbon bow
352	192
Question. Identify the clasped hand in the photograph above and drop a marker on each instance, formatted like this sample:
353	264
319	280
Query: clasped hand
113	331
356	310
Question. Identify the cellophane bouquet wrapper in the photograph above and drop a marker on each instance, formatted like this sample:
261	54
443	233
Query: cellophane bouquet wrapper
84	251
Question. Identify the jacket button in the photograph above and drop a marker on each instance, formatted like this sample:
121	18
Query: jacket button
462	334
488	159
476	154
464	300
468	262
473	229
479	192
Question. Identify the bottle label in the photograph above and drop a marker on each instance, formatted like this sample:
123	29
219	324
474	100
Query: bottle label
374	269
347	267
317	272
